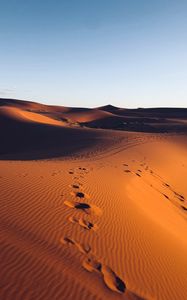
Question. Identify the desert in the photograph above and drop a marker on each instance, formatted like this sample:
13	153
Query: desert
93	202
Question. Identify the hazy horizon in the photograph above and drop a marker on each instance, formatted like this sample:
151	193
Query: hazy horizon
46	102
88	54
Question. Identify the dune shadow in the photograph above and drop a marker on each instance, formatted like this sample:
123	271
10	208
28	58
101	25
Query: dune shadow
32	141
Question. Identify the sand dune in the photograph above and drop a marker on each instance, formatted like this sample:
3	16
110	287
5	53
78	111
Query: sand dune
19	115
90	213
30	135
107	117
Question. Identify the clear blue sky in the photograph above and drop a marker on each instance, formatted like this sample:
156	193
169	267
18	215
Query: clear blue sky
131	53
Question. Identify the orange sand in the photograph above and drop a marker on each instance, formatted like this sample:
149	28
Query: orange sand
105	221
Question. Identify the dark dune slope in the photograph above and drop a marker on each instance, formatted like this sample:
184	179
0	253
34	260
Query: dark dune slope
31	130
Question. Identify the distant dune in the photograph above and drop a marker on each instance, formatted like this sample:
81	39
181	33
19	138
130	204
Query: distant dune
32	130
36	130
93	202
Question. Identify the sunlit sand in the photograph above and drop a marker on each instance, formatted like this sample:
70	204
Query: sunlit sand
93	203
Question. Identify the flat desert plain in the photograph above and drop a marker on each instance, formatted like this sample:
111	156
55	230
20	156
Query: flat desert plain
93	203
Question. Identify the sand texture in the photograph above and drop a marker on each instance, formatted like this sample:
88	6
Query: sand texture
90	213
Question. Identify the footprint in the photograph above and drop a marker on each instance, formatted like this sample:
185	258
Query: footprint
166	184
84	223
91	264
80	195
180	197
87	224
87	208
83	248
110	278
138	175
183	207
73	219
83	169
75	186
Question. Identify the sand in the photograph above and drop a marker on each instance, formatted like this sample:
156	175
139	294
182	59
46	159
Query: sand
102	216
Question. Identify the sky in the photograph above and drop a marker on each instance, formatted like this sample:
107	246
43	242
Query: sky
88	53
